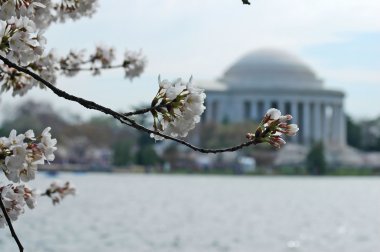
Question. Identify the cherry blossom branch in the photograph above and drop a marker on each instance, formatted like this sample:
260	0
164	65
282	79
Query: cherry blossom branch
58	191
193	147
9	222
91	68
124	119
133	63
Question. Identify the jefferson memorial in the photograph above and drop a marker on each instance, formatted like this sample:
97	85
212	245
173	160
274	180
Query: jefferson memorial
264	79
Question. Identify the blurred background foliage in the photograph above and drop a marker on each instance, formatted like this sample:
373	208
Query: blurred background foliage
79	139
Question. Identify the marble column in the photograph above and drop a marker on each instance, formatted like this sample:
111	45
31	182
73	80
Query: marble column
246	107
325	125
339	126
334	124
294	113
317	122
306	122
233	112
267	105
312	122
214	111
343	127
281	106
260	105
254	114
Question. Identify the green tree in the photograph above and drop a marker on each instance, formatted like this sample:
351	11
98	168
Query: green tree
146	155
353	133
315	160
220	135
122	153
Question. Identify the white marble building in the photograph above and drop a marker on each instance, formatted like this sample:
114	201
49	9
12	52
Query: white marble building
272	78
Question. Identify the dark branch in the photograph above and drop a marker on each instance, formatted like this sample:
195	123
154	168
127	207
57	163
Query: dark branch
9	222
120	117
144	110
246	2
195	148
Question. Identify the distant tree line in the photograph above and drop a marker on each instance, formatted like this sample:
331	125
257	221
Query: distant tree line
364	134
128	146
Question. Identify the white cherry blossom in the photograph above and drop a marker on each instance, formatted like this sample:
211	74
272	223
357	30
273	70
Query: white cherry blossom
134	64
58	191
47	144
21	154
182	105
15	197
271	127
273	114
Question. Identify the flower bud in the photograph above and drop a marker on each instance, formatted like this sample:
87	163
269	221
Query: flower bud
285	118
250	136
291	129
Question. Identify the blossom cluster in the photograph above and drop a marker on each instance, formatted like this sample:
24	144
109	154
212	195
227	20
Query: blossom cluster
20	154
45	12
133	64
70	65
103	55
73	9
22	24
49	65
177	107
20	83
19	40
14	198
272	127
57	191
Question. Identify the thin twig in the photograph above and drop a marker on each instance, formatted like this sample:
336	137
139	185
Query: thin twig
144	110
124	119
193	147
90	68
9	222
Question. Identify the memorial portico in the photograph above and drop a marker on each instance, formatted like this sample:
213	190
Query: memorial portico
269	78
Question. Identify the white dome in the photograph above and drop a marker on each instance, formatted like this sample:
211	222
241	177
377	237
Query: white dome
271	69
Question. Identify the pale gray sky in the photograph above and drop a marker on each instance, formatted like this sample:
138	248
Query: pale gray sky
340	39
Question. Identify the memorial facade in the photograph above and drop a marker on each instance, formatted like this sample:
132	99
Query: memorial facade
267	79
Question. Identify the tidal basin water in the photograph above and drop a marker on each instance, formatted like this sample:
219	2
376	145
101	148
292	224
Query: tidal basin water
163	213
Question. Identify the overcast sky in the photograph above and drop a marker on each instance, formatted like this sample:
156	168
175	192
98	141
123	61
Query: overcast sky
339	39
